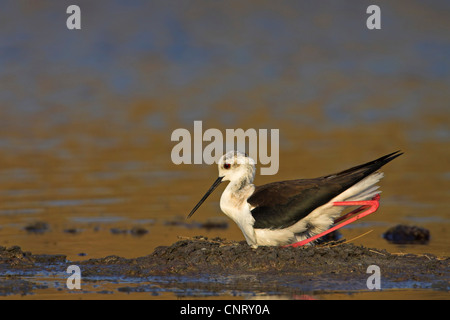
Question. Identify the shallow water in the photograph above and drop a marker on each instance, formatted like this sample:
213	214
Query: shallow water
86	116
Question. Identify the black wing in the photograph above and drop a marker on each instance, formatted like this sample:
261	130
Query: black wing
281	204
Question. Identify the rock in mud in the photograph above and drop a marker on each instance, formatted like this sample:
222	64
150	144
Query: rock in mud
37	227
402	234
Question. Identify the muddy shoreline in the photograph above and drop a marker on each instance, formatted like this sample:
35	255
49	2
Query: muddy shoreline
218	265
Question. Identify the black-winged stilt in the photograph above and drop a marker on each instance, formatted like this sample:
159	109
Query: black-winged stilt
293	212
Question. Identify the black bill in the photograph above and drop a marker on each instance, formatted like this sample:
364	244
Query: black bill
213	187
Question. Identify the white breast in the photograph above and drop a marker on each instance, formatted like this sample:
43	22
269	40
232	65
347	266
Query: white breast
234	205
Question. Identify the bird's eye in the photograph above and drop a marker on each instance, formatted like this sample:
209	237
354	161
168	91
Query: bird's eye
226	165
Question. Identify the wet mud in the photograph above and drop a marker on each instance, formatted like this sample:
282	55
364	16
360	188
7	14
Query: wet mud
215	266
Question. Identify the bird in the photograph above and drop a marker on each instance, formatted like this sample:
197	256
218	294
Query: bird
285	212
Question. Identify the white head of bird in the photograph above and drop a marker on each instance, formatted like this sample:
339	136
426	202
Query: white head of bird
239	169
236	167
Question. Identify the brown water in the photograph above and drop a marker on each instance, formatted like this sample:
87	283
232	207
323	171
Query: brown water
86	116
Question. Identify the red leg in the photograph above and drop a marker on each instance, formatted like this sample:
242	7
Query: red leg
369	205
